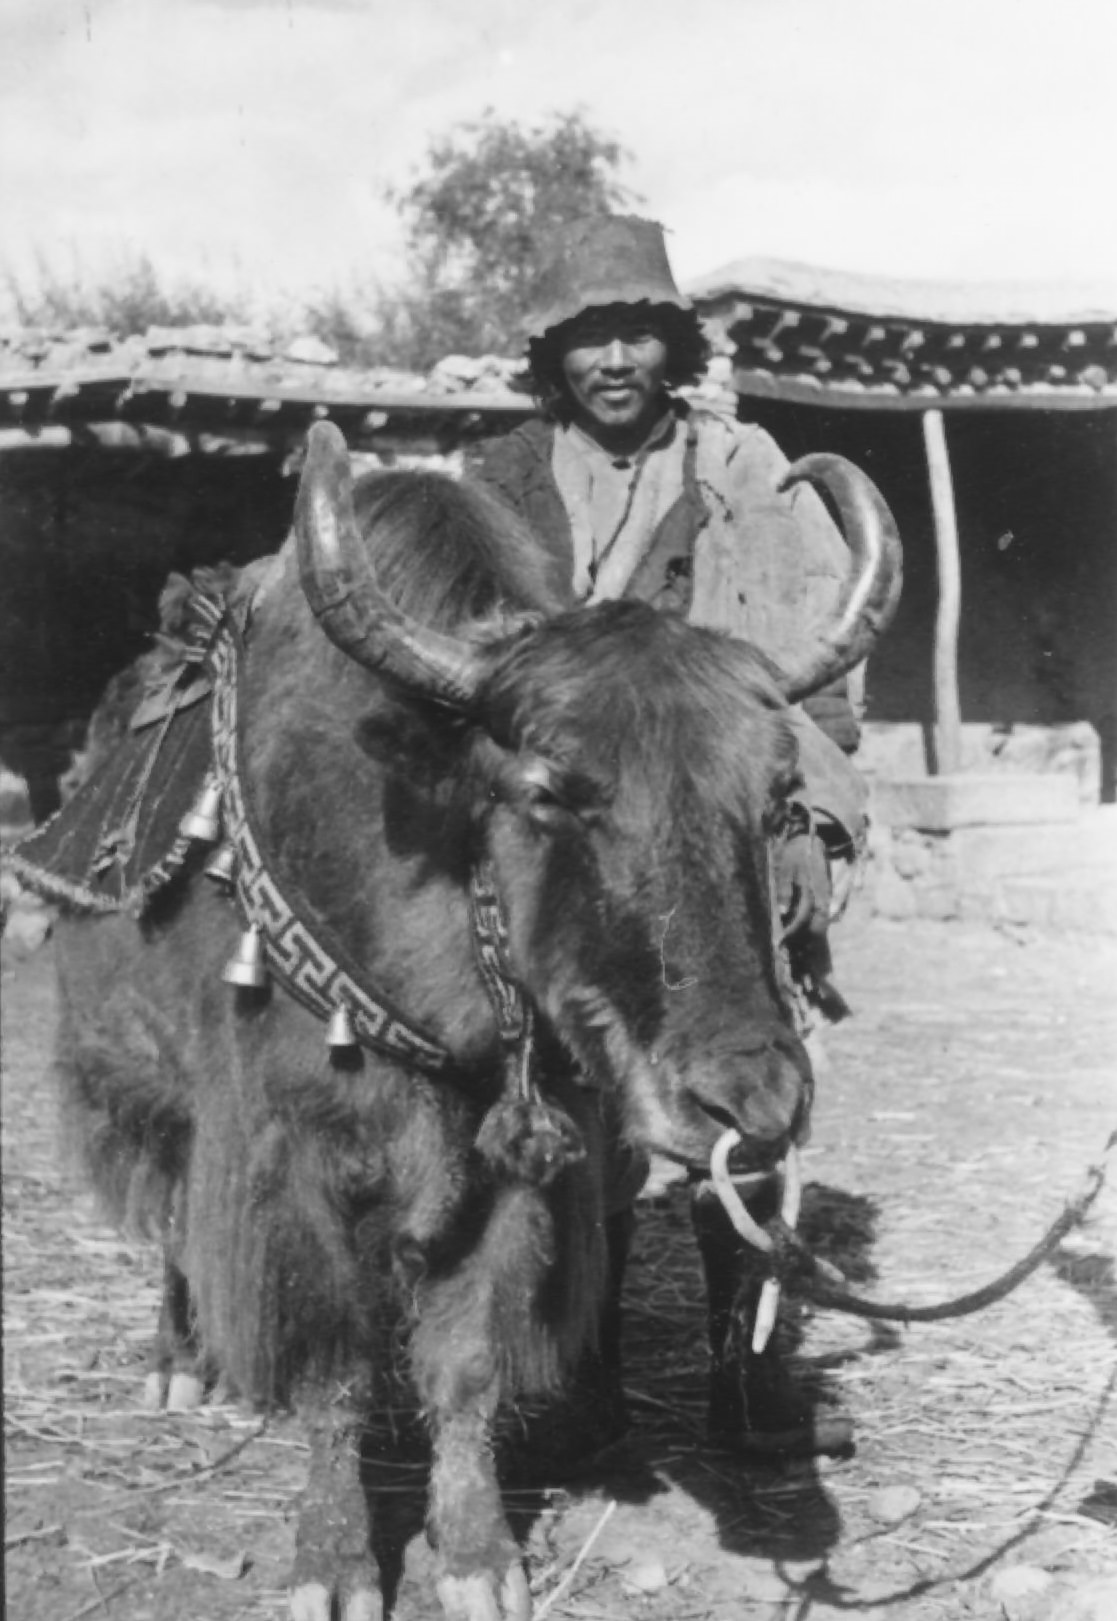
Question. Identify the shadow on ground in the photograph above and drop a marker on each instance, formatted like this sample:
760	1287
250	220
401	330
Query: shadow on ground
782	1511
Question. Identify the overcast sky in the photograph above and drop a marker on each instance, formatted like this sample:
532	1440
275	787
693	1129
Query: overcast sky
968	139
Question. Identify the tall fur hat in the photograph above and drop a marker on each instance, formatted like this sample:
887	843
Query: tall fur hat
607	259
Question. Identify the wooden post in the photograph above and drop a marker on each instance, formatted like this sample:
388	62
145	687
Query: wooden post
948	715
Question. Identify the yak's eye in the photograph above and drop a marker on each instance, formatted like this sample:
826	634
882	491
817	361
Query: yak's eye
551	797
540	791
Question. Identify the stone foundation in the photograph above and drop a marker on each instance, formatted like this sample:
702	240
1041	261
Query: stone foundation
1008	848
895	751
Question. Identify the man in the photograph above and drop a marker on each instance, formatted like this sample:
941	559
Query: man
636	494
633	493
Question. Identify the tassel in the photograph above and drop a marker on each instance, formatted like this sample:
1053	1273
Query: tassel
530	1142
249	965
222	866
204	821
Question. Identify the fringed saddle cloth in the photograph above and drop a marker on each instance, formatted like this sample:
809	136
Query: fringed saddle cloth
117	842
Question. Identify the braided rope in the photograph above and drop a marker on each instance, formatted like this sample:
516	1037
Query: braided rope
827	1286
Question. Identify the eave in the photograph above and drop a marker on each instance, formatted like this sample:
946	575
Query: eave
829	338
184	401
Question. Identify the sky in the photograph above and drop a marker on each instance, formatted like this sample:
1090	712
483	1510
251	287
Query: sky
252	141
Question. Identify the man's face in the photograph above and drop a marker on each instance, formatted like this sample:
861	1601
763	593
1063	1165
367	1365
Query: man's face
614	361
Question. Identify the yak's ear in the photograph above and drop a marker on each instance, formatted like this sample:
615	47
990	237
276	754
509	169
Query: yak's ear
423	741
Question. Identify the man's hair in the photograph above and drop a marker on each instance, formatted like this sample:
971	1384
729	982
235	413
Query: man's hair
687	354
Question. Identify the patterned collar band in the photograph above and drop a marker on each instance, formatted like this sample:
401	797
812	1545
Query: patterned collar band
308	959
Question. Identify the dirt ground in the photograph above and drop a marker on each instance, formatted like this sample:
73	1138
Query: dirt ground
965	1100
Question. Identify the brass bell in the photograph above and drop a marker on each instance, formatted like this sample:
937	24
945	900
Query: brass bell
204	821
249	965
340	1031
222	866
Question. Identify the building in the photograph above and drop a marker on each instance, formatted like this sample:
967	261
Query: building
123	461
986	415
988	418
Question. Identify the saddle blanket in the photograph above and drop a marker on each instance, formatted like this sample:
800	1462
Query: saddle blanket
116	843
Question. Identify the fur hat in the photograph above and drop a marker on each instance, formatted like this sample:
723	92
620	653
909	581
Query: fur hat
608	259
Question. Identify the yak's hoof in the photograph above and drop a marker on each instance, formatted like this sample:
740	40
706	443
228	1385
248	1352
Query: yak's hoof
184	1393
223	1392
819	1437
173	1393
155	1391
478	1598
312	1601
515	1594
756	1411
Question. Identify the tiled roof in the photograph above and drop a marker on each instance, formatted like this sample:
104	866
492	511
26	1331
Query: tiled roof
223	388
798	332
227	390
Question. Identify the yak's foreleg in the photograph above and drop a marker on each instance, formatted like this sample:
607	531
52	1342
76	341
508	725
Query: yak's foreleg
754	1408
480	1574
749	1393
177	1371
477	1342
335	1576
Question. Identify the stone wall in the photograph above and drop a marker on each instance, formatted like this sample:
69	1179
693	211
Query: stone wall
1013	848
899	751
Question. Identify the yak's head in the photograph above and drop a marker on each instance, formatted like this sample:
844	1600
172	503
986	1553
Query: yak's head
628	772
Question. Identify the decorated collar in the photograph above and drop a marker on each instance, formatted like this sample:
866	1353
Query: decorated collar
307	957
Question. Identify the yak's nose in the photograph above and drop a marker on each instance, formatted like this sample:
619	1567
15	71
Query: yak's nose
766	1100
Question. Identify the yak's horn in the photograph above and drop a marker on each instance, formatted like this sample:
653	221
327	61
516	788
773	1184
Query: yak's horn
341	587
872	586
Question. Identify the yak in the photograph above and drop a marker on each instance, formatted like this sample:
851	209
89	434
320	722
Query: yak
540	840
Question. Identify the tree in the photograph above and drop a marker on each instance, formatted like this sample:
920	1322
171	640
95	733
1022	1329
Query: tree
478	218
479	221
130	297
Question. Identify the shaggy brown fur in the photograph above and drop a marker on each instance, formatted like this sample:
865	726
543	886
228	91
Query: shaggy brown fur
340	1227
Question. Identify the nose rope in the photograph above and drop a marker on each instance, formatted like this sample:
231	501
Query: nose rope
790	1260
727	1189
